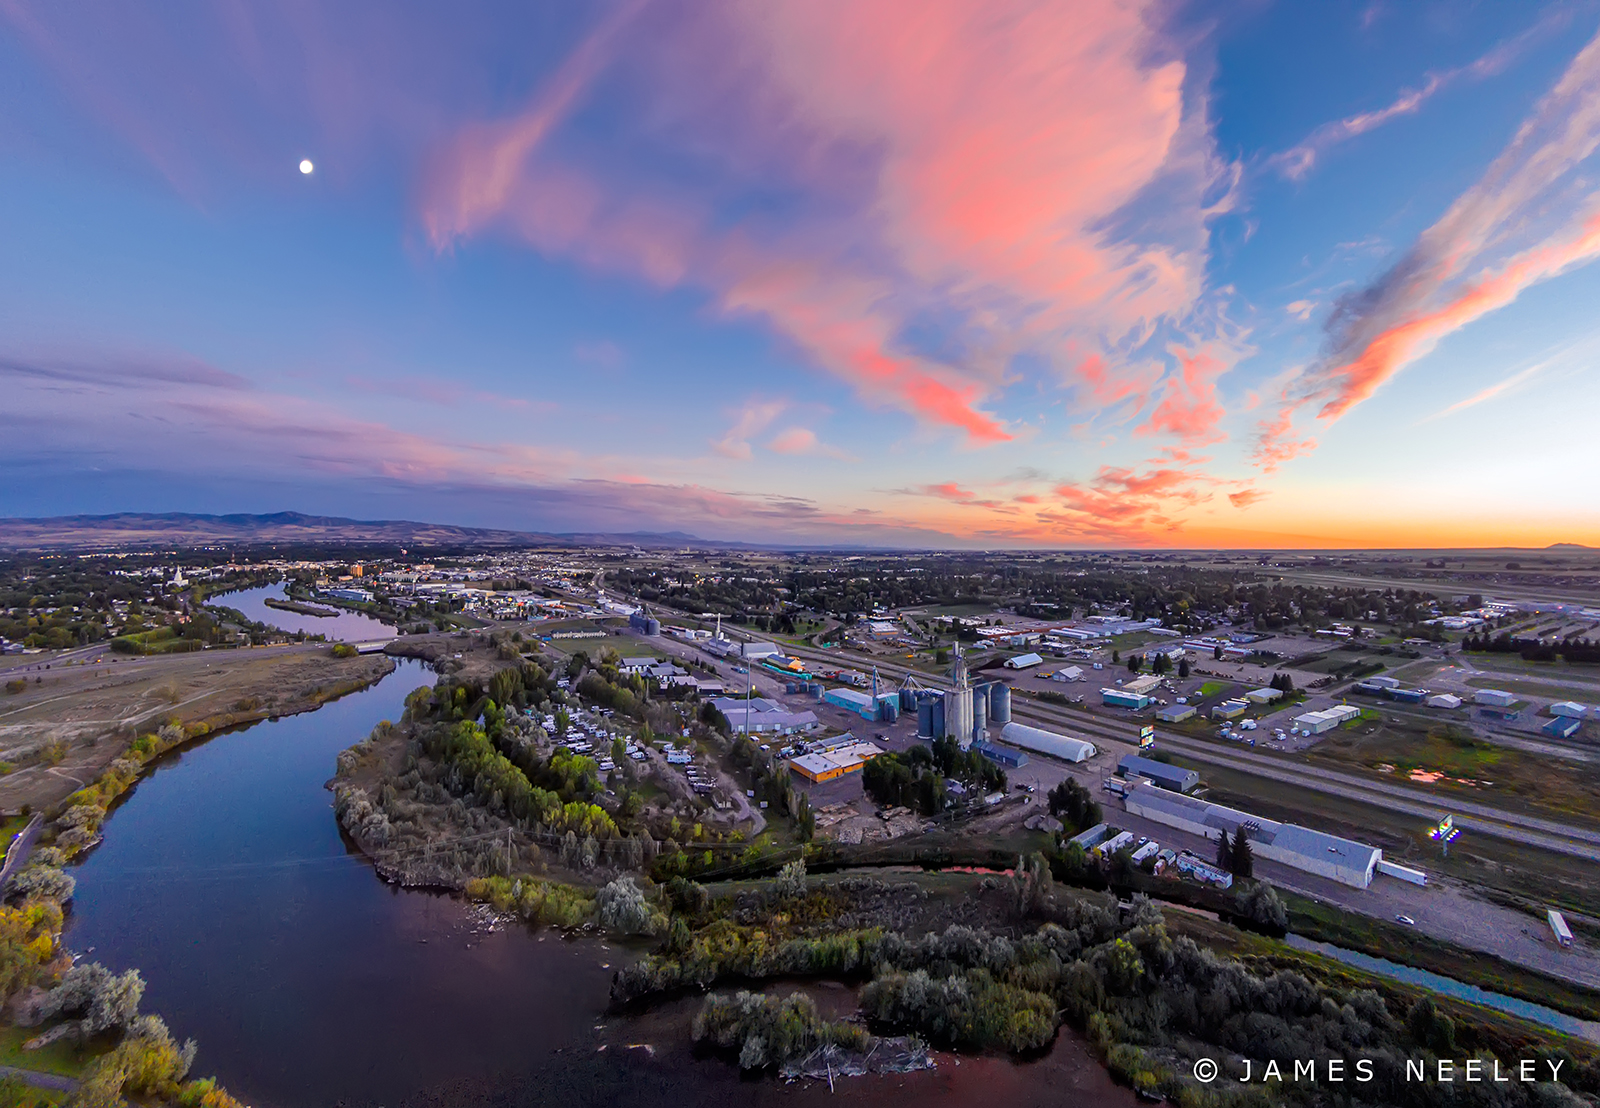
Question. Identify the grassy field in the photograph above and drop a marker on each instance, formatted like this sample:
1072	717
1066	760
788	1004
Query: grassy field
1589	693
1518	876
62	1056
1212	688
1510	777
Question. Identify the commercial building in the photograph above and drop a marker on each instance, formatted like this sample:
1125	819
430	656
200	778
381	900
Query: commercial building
1175	713
1443	700
825	765
1263	696
1384	682
1067	673
1167	776
1024	661
1569	708
1338	859
1039	741
1494	698
759	649
1121	698
1145	685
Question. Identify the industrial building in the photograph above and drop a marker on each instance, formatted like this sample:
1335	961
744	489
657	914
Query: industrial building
1142	686
1494	698
1024	661
644	624
1562	727
1002	755
1443	700
1040	741
1338	859
1316	723
1122	698
1569	708
958	710
1067	673
758	714
1263	696
999	703
1230	709
864	704
1175	713
1175	778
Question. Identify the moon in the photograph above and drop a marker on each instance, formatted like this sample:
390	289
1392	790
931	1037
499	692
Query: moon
306	167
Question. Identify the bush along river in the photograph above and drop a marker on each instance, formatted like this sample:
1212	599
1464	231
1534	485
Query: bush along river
223	878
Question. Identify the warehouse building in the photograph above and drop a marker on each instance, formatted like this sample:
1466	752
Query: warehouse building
1230	709
759	649
1024	661
1040	741
1002	755
1338	859
1263	696
863	704
1494	698
1562	727
759	715
1444	700
1175	713
1067	673
1315	723
1175	778
1570	708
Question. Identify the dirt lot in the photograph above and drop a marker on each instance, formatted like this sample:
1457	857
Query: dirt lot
70	721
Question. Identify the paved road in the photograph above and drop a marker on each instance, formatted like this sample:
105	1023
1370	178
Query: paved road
40	1080
20	848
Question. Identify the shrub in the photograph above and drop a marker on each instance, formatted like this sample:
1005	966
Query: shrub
768	1031
624	909
344	650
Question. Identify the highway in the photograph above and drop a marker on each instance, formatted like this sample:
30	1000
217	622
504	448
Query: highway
1472	815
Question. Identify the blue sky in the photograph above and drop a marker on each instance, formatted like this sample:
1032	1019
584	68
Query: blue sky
943	273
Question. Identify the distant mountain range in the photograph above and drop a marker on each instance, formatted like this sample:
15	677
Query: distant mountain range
144	530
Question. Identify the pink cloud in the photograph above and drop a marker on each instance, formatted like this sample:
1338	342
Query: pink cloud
1246	497
956	157
804	441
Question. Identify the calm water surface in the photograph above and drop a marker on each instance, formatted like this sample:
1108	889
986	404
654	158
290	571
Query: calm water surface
308	982
346	626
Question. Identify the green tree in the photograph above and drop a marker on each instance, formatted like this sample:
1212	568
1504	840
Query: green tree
1225	852
1244	861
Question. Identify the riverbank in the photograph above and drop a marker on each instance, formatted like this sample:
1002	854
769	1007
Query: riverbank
65	729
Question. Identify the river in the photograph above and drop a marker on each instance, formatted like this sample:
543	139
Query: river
344	626
309	982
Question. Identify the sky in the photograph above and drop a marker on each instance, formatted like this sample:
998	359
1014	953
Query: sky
911	273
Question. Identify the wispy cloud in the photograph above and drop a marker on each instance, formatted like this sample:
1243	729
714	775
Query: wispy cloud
1297	162
804	441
